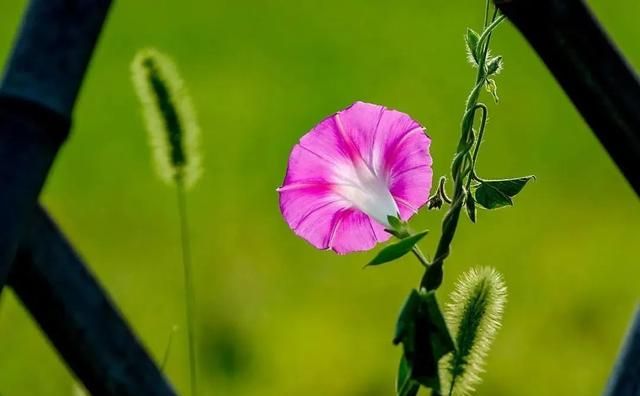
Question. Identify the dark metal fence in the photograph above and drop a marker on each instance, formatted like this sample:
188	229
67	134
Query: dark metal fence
37	95
606	92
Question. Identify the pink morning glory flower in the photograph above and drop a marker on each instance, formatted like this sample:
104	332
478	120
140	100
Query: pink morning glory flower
350	172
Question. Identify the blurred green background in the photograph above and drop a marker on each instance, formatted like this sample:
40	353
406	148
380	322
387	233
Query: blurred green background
275	316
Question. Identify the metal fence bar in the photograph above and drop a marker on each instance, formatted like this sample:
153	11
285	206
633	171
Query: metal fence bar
625	378
52	51
29	139
37	95
80	320
606	92
38	91
587	65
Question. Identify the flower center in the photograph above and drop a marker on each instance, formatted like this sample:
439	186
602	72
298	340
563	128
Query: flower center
366	190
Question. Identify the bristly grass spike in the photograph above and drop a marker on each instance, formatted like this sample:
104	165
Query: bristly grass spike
474	316
173	129
169	115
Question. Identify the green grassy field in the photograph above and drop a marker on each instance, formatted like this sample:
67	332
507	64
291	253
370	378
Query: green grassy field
275	316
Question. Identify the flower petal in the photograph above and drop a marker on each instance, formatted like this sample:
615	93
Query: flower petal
316	224
394	128
401	152
308	201
358	124
411	189
353	231
326	140
327	221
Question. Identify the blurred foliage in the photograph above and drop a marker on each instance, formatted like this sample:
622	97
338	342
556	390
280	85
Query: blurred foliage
277	317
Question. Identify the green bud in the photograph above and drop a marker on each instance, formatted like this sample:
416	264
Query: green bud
494	66
434	202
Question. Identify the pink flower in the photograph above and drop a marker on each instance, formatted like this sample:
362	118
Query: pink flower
350	172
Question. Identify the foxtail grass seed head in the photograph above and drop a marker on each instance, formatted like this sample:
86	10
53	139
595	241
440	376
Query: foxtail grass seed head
169	115
474	316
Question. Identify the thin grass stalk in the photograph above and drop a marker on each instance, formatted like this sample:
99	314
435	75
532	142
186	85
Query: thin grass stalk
188	280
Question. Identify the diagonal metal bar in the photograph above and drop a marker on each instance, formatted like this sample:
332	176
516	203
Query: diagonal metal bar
625	379
80	320
37	94
52	51
30	136
606	92
592	72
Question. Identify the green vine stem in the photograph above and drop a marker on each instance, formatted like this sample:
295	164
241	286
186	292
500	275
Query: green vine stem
463	162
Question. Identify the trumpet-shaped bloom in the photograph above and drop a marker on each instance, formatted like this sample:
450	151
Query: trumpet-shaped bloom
350	172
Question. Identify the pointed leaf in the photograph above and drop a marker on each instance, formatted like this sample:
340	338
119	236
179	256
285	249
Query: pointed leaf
395	223
405	385
491	197
441	339
396	227
511	187
407	316
470	205
425	337
398	249
493	194
471	39
432	342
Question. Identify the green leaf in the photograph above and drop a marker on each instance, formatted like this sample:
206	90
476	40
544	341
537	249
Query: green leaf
511	187
470	205
425	337
494	66
491	197
471	39
407	316
405	385
398	249
395	223
440	337
493	194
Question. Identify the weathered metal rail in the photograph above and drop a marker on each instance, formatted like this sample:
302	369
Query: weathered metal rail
37	95
606	92
78	317
590	69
